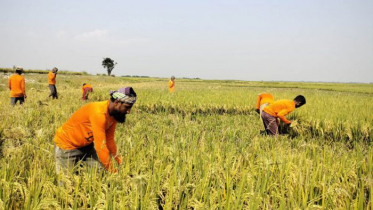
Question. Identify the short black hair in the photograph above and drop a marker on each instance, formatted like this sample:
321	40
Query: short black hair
19	72
300	99
84	84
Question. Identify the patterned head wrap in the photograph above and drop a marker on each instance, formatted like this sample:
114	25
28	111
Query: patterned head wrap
126	95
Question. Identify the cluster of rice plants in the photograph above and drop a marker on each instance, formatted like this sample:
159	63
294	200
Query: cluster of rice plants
199	148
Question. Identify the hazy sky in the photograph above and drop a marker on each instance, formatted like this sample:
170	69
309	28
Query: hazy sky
293	40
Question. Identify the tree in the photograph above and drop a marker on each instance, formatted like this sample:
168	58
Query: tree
109	64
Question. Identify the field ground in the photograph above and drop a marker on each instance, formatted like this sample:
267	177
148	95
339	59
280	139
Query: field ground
199	148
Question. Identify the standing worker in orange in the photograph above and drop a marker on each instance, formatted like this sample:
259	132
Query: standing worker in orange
52	83
86	89
17	89
279	109
171	85
88	136
264	99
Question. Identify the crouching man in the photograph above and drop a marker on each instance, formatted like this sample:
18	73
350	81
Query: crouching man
279	109
88	136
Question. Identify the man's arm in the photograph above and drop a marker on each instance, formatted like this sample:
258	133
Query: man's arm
282	115
23	87
111	143
10	83
258	102
99	135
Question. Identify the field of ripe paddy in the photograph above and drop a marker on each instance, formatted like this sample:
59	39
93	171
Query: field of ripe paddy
199	148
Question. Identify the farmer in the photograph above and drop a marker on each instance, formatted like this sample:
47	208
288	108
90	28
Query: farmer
88	136
17	87
86	89
52	83
171	85
279	109
264	99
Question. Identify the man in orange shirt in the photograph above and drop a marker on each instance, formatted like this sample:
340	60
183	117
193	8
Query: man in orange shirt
52	83
171	85
16	85
279	109
88	136
86	89
264	99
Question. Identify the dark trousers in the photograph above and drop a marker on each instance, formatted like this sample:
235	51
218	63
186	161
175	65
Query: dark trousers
13	100
53	91
70	160
86	93
270	123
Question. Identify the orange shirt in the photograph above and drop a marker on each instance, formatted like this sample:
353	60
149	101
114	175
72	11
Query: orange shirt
280	108
86	86
52	78
264	98
17	86
171	86
91	123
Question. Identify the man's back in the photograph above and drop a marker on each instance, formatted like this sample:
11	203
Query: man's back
17	85
78	132
86	86
171	86
264	98
51	78
280	108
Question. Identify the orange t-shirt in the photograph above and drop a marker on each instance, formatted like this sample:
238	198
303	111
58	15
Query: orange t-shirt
280	108
86	86
90	124
171	86
264	98
17	86
52	78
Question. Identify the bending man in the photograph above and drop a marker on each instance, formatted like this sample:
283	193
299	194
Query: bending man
86	89
279	109
264	99
88	136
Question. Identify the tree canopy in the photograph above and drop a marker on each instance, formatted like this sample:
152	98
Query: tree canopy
109	64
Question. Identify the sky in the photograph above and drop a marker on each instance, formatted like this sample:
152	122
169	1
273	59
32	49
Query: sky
287	40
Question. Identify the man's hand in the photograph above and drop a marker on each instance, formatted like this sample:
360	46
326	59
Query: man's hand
118	158
25	96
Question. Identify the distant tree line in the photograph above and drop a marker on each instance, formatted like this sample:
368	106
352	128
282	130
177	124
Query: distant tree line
34	71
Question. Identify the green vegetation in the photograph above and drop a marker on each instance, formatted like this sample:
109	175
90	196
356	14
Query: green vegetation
199	148
33	71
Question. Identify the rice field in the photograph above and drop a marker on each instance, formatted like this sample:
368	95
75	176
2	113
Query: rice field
199	148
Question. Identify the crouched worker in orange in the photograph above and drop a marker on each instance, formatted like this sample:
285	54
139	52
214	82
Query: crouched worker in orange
88	136
279	109
86	89
16	85
264	99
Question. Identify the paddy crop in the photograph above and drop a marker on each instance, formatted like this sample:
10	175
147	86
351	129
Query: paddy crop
199	148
